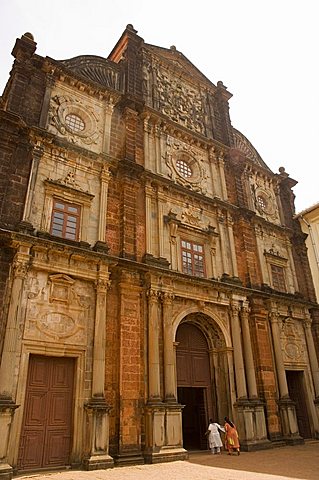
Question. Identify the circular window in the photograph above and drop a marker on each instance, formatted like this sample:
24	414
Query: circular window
262	202
184	169
74	123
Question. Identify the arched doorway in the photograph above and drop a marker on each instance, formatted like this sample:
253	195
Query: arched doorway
194	388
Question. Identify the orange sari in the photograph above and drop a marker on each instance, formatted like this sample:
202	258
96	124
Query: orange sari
231	437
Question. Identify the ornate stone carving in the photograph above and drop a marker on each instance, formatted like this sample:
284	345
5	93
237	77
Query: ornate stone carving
179	101
58	309
96	69
68	181
58	325
61	106
192	215
186	165
20	268
292	341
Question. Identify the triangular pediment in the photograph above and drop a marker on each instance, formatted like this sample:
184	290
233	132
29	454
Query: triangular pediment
177	61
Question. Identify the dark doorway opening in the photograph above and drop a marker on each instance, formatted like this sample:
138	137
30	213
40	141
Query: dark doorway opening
194	417
296	388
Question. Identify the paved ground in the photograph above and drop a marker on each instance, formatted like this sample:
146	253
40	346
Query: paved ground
298	462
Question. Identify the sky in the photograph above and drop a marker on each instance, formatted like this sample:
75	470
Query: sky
264	51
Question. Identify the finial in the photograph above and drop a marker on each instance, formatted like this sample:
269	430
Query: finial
29	36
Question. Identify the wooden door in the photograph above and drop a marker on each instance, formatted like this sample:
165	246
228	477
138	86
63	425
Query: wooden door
193	385
47	423
297	394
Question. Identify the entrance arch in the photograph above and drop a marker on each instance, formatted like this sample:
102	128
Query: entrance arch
203	376
194	389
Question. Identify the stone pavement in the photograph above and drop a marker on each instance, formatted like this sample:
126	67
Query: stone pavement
283	463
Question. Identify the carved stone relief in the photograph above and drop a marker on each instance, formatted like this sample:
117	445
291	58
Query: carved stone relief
86	129
192	216
58	309
264	199
292	340
186	165
178	100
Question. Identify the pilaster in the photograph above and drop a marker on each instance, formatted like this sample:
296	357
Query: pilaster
238	353
97	409
11	350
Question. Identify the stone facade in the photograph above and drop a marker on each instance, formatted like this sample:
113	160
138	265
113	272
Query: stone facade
147	250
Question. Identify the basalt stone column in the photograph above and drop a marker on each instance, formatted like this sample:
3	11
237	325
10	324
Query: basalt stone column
238	353
11	350
286	406
97	409
163	420
251	410
155	409
314	368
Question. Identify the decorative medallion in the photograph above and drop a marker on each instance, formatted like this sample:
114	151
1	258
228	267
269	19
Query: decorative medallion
185	166
265	202
57	325
74	120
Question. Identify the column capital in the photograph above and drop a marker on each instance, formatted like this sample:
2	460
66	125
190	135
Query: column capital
274	316
167	298
21	266
235	307
245	309
153	295
105	174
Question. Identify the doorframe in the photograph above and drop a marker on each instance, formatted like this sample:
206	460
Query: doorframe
77	420
306	389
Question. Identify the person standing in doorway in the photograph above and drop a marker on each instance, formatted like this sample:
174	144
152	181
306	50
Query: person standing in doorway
214	439
231	438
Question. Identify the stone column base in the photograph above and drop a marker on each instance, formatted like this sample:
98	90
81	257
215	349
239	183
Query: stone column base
289	422
164	438
7	409
98	462
6	471
252	425
166	454
98	435
128	458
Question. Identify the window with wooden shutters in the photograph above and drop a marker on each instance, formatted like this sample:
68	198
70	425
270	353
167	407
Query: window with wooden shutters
278	278
65	222
193	260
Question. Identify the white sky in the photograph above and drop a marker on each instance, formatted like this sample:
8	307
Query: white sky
264	51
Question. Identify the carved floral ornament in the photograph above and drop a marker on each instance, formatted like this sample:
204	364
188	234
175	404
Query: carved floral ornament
292	340
74	120
178	100
265	202
185	166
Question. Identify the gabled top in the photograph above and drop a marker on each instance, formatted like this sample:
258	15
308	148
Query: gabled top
180	61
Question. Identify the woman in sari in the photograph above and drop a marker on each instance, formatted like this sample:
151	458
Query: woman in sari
214	440
231	437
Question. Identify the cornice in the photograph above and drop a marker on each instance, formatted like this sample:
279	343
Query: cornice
182	133
166	182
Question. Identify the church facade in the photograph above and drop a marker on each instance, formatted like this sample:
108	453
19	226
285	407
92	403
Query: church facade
152	272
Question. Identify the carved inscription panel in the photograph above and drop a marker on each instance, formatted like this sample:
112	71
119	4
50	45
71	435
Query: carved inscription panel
292	341
59	309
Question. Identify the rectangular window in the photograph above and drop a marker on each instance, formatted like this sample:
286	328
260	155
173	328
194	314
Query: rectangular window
65	220
278	278
193	258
